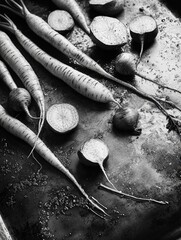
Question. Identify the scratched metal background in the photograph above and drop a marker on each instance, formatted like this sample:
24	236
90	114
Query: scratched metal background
46	205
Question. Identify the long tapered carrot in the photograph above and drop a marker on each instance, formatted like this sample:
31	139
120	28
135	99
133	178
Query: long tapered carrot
41	28
55	67
6	77
23	69
18	129
79	81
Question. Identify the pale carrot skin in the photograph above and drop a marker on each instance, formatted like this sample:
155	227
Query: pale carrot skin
4	233
18	129
6	76
80	82
75	10
23	69
42	29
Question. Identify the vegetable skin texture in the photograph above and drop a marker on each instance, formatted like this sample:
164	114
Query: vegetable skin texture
19	98
61	21
4	233
43	30
108	32
75	10
18	129
126	120
23	69
62	118
6	77
107	7
88	62
79	81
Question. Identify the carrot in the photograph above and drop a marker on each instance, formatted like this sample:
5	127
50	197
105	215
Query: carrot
18	129
23	69
6	77
4	233
80	82
74	9
41	28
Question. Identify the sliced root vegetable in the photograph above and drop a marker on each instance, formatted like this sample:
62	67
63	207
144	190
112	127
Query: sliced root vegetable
20	130
108	33
60	21
42	29
79	81
94	152
75	10
125	64
143	30
62	118
126	120
107	7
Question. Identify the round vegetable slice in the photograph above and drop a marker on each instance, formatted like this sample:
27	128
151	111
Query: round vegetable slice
93	153
143	29
107	7
61	21
108	33
62	118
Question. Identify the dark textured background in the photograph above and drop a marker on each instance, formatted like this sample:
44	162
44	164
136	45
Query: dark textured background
46	205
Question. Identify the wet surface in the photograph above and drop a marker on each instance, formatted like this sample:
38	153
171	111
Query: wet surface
42	203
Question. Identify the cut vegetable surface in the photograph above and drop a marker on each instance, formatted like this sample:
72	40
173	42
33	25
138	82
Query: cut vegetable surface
107	7
18	129
60	21
94	152
80	82
62	118
143	30
75	10
125	64
108	32
42	29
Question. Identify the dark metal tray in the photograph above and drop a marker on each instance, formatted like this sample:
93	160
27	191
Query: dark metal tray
46	205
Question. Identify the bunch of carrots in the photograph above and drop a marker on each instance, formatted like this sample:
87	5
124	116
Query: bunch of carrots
80	82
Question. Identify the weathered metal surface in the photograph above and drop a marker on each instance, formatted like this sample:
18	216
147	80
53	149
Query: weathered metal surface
46	205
